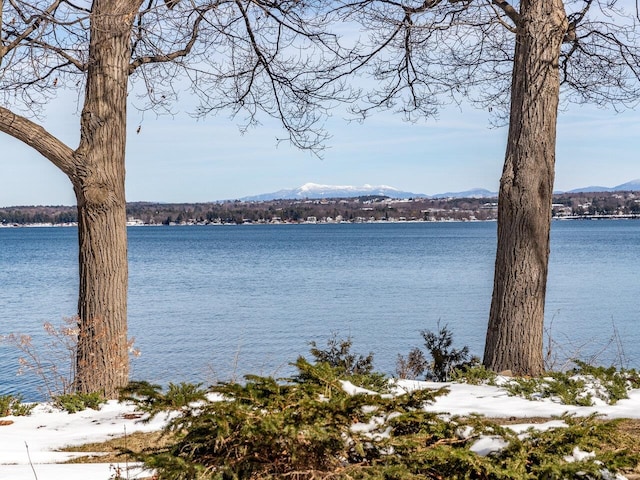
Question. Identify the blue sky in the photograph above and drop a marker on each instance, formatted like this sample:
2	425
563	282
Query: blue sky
179	159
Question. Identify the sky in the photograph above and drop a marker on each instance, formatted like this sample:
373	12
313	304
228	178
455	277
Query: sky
30	444
181	159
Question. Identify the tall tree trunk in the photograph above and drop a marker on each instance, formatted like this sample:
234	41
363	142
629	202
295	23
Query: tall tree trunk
515	332
98	181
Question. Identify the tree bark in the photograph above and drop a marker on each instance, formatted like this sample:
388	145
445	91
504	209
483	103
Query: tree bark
97	171
516	320
102	356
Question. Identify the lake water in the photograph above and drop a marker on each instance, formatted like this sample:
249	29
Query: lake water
214	302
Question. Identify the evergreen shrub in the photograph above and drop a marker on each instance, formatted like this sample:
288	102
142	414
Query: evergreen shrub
445	360
309	427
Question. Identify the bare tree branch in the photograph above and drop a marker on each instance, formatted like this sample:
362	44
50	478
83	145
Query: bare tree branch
37	137
169	57
576	19
511	12
34	22
499	18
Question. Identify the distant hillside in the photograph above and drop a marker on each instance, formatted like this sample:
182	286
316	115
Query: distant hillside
473	193
632	186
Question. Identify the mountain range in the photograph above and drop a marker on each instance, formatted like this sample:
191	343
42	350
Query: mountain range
631	186
317	191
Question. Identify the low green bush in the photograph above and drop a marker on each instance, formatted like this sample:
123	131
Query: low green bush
12	405
76	402
475	374
270	427
582	385
309	427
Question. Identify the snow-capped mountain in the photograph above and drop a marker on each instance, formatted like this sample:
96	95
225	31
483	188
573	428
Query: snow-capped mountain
314	190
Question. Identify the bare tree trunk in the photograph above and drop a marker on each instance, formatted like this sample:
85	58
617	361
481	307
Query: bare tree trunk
102	361
102	357
515	332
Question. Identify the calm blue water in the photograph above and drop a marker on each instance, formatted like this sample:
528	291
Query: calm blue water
209	303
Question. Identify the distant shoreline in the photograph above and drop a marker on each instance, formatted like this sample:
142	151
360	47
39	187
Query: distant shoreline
344	222
368	209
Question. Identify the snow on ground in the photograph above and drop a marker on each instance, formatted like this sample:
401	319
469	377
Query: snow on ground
31	442
491	401
40	435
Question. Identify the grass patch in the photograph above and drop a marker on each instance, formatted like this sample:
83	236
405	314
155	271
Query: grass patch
117	449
